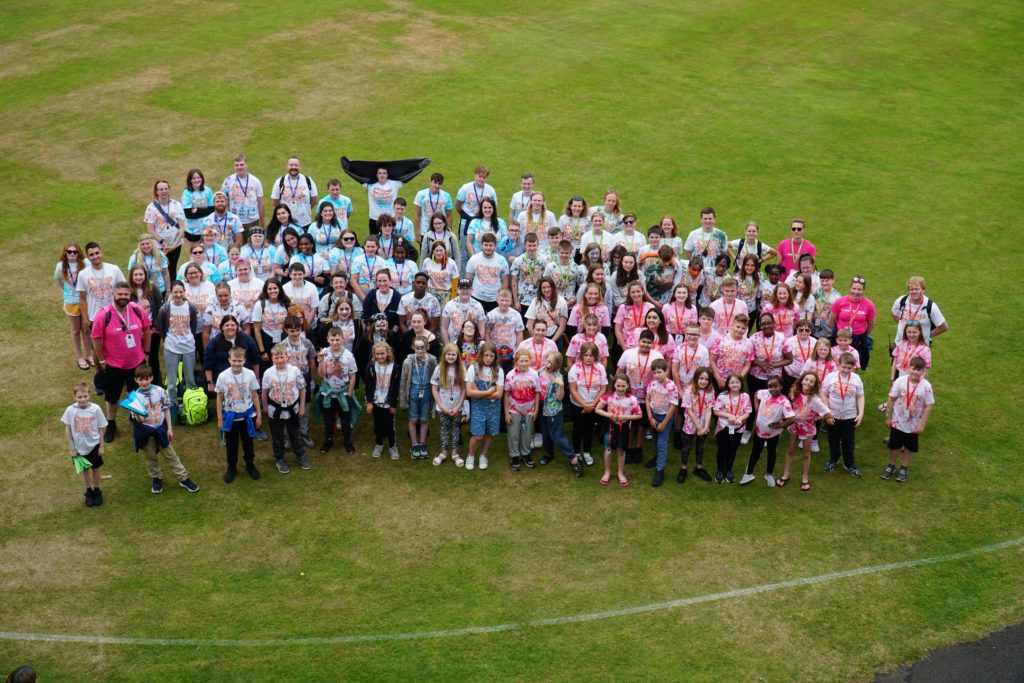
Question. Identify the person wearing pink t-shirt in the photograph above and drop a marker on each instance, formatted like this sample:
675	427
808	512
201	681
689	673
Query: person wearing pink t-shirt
770	356
538	345
728	307
523	392
856	313
679	312
910	405
590	335
792	249
629	319
774	413
808	406
732	354
732	408
662	399
636	364
621	409
697	404
801	348
910	345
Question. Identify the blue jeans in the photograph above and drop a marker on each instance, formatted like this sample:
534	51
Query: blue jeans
661	441
553	430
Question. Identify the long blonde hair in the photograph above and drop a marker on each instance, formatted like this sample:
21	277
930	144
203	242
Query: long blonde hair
443	367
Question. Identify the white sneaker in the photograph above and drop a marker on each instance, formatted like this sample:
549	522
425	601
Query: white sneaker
470	462
747	478
377	450
589	459
538	441
814	446
745	439
770	481
483	461
800	443
649	435
394	452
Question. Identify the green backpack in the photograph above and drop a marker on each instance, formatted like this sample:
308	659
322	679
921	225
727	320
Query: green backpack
194	409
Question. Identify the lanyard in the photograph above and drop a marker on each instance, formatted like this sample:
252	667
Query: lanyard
768	352
633	314
842	389
643	370
804	355
434	206
479	194
588	378
688	362
309	261
910	394
245	190
794	253
733	409
328	232
294	188
728	316
386	251
372	270
701	400
421	377
539	356
853	313
222	225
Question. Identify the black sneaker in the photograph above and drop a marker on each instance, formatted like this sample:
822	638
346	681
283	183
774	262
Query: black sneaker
902	474
681	477
88	498
282	466
702	473
730	477
251	470
659	478
545	459
652	463
158	485
577	465
887	472
830	465
188	485
852	470
304	463
720	477
108	436
516	464
349	448
229	475
97	497
327	445
528	461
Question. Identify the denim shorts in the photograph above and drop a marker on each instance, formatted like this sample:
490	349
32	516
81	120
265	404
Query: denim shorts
419	409
484	417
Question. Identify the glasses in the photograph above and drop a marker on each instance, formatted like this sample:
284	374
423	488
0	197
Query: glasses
629	222
913	322
196	253
71	252
348	239
692	336
794	229
419	348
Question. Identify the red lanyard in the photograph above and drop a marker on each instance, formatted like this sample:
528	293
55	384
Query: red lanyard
853	313
588	378
539	356
633	314
768	352
701	399
910	394
842	389
728	317
804	355
733	410
688	362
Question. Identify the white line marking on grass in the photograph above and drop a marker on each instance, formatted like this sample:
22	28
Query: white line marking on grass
512	626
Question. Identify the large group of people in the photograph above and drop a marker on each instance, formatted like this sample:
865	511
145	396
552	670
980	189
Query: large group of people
514	324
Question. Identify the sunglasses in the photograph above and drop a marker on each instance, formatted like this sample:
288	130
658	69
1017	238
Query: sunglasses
348	239
858	280
196	253
629	222
71	251
797	229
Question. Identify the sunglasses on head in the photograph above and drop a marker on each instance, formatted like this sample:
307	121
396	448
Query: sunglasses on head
858	280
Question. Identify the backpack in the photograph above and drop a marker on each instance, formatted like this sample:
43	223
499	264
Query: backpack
927	308
280	184
194	410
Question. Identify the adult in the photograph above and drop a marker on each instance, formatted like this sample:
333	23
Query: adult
429	201
467	203
380	197
707	241
856	312
245	289
297	191
165	221
197	201
382	299
610	211
442	271
120	336
914	305
71	263
227	225
536	219
245	195
792	249
215	356
95	285
751	244
146	294
521	199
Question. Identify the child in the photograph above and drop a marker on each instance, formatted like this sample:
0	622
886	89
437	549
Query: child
154	432
620	408
416	395
526	271
801	349
468	342
84	424
845	393
301	355
567	275
728	307
910	405
820	363
587	379
662	398
484	385
381	382
551	419
523	390
706	322
338	373
239	412
636	364
732	354
431	200
679	313
591	334
448	387
505	328
697	402
732	407
770	356
844	344
910	346
782	307
823	300
808	407
284	400
774	415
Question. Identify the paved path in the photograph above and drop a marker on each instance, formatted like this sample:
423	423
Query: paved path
998	658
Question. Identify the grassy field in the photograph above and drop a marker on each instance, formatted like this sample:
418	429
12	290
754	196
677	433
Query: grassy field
894	130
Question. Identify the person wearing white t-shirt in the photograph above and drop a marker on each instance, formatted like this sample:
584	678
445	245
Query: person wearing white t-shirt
537	219
301	292
96	284
597	234
488	272
227	225
467	203
521	199
297	191
165	221
381	196
707	241
429	201
914	305
245	195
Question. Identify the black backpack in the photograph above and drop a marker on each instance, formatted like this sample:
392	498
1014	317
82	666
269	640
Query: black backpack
280	184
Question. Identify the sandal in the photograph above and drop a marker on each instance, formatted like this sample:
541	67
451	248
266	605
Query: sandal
83	364
781	481
882	407
805	486
92	362
459	462
604	480
623	482
439	458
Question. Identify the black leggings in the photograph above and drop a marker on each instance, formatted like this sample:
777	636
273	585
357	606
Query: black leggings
239	430
172	261
697	442
755	454
754	385
728	444
583	427
331	414
384	426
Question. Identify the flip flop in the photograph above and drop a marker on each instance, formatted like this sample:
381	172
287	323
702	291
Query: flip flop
781	481
623	483
882	407
83	364
805	486
604	481
92	362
